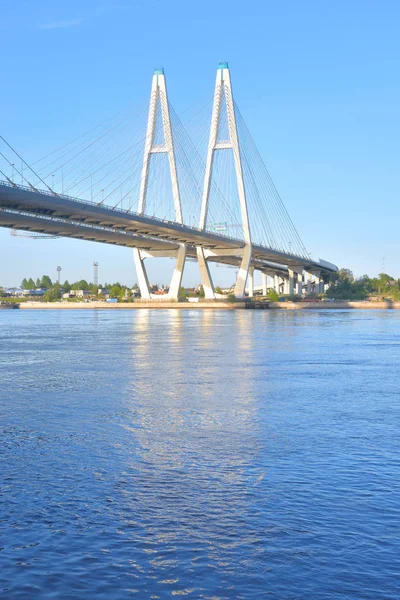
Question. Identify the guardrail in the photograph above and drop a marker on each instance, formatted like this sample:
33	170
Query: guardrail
159	221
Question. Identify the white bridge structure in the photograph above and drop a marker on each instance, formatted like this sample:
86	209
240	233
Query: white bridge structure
223	209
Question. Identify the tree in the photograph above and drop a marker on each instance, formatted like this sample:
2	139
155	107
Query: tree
52	294
273	295
116	291
30	284
182	295
345	287
46	282
24	284
92	289
80	285
38	282
66	286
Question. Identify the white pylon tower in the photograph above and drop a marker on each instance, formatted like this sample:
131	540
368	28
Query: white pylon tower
159	96
223	92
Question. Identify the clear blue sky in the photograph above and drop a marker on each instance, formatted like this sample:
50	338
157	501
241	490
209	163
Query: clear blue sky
317	82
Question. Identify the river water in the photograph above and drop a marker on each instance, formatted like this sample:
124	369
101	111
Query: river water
204	454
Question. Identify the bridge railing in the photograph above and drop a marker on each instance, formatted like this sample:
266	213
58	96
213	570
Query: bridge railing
107	206
321	262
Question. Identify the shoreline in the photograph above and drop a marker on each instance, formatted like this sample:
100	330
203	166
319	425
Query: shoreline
338	305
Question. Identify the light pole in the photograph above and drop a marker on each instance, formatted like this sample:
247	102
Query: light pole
96	276
58	279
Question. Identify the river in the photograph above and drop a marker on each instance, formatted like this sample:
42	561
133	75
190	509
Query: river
205	454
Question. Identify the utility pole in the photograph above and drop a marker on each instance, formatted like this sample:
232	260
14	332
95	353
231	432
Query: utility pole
96	276
58	279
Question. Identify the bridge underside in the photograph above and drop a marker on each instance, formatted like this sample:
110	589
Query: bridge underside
62	216
23	221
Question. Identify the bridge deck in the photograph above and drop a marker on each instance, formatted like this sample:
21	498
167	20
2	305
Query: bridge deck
24	208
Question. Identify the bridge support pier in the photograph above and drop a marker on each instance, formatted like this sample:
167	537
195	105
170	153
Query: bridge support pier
141	273
321	285
176	279
177	275
240	286
205	275
244	270
264	284
291	282
300	283
309	282
276	283
286	286
250	282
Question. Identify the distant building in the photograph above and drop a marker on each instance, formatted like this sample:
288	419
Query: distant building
77	294
15	292
20	293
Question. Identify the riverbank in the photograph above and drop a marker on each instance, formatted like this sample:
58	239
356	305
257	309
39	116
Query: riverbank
125	305
218	305
338	305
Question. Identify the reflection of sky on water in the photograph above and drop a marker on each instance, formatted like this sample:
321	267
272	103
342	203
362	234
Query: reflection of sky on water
195	426
185	403
199	453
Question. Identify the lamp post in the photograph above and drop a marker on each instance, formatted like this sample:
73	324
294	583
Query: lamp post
58	279
96	276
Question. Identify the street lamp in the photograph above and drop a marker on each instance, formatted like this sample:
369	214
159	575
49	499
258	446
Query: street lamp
96	276
58	274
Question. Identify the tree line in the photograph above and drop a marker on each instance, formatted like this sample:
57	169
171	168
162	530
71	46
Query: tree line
53	290
344	286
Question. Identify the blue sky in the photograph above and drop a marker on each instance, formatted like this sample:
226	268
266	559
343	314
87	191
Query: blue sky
316	81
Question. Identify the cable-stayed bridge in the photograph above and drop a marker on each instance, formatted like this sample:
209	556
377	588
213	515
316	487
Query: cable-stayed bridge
152	191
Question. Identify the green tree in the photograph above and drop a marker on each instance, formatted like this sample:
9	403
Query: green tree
182	295
30	284
345	287
24	284
92	288
116	291
46	282
273	295
66	287
52	294
80	285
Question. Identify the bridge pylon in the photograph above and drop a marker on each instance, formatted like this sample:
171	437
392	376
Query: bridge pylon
159	97
223	94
